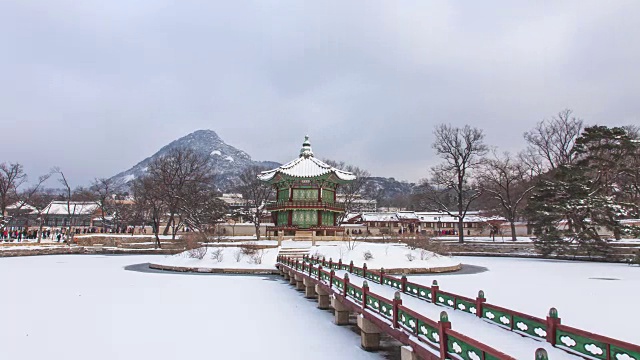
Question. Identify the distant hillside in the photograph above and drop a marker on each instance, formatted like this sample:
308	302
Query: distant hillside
227	160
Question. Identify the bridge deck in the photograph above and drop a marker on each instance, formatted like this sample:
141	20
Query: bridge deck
503	340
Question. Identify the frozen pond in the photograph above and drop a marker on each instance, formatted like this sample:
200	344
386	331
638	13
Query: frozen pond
88	307
597	297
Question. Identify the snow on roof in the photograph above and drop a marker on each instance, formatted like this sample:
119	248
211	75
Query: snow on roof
407	215
379	217
306	166
76	208
22	206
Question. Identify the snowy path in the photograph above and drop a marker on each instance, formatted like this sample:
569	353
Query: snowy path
500	339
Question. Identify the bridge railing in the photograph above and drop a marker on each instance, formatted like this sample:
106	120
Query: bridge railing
570	339
435	335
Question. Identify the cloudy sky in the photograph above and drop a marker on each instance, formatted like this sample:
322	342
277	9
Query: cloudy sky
96	86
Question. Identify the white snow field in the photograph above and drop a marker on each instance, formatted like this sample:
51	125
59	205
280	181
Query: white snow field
77	307
597	297
389	256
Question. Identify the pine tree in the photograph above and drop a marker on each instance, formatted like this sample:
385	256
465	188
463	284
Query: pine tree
570	209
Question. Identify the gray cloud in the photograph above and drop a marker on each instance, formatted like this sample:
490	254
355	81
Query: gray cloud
95	86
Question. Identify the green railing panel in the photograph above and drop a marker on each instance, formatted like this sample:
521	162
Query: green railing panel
373	277
418	291
412	289
428	332
496	316
445	300
337	282
466	306
358	295
345	267
358	272
532	328
619	353
386	309
314	271
393	283
324	277
351	291
407	321
462	349
581	345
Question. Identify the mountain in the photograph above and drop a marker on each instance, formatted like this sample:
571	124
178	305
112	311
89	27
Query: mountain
227	160
388	191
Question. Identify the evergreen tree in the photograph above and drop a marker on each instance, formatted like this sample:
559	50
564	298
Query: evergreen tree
577	201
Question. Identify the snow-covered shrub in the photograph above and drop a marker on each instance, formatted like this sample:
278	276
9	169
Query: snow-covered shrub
197	253
410	256
425	255
367	255
217	254
317	254
256	257
238	255
249	249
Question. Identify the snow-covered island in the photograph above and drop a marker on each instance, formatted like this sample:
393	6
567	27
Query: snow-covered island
253	257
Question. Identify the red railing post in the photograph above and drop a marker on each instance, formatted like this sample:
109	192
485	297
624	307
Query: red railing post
434	291
480	300
541	354
403	283
364	270
320	273
351	267
323	262
381	275
397	301
331	274
339	264
330	263
443	326
365	290
346	283
552	323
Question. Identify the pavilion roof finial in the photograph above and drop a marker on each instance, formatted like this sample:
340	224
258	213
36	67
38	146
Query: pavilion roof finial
306	148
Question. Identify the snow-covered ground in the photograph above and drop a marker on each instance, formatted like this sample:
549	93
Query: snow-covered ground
223	258
389	256
597	297
78	307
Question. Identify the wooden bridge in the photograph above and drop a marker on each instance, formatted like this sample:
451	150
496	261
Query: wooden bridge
483	330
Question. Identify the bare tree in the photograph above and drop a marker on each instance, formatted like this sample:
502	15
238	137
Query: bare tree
175	175
67	194
12	176
104	192
461	149
40	201
552	139
352	190
507	181
149	203
201	208
256	193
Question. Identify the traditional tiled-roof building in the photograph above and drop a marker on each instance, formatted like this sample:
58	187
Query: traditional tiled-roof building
305	205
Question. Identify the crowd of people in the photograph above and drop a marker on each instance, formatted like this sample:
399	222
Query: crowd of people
55	234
